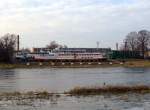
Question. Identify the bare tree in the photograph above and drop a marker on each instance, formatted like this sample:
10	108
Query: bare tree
53	45
7	48
143	41
25	50
131	41
122	47
125	45
65	46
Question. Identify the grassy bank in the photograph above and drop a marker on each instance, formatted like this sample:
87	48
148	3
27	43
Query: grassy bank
114	63
137	63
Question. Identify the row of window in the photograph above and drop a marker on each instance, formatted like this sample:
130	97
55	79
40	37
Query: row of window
79	54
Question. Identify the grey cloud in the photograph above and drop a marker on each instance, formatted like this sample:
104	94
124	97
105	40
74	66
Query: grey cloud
74	20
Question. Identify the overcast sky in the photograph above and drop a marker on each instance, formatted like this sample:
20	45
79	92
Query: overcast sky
76	23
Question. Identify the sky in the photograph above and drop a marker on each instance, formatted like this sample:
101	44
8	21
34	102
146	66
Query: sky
76	23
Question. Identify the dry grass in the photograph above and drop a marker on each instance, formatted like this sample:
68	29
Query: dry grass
28	95
138	63
78	91
109	89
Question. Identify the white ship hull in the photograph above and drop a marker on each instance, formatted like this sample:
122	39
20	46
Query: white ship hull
68	56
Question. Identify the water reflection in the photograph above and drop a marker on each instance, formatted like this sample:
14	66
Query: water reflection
63	79
59	80
100	102
135	76
7	80
7	74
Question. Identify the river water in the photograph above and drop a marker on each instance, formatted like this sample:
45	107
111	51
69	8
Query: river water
64	79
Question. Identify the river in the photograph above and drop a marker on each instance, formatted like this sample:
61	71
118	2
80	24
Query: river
64	79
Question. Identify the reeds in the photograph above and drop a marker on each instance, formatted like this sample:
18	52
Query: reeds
78	91
109	90
28	95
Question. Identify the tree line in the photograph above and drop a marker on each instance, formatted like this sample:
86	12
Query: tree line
8	44
54	45
7	48
137	41
134	41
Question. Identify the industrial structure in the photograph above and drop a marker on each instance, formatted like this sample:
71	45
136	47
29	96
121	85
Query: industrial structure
75	54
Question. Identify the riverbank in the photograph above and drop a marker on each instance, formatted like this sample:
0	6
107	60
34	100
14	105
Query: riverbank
110	63
32	101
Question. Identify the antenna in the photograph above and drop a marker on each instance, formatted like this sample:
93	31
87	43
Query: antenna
97	44
117	46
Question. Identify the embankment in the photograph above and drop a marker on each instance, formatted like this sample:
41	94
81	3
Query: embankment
110	63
